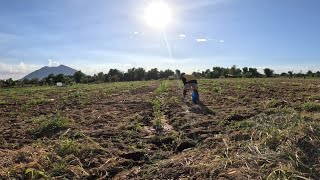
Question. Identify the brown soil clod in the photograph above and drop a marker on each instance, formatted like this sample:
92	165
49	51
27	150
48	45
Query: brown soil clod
136	156
235	117
186	145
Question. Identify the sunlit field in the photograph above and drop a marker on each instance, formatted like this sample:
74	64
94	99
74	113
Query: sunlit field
243	128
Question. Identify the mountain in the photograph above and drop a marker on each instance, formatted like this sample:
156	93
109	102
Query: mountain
46	71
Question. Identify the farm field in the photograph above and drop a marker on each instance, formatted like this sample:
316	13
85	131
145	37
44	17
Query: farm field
242	129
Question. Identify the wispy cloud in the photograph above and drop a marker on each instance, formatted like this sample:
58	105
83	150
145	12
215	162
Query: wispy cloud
53	63
182	36
136	33
191	5
202	40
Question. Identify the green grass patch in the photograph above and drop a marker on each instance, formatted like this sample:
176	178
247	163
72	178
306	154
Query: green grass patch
66	147
311	107
48	125
40	100
2	101
244	124
31	173
273	103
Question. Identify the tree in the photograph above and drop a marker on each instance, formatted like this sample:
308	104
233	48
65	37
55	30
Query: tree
34	81
207	73
59	78
9	82
100	77
25	81
168	73
268	72
234	71
216	72
2	83
79	77
177	73
254	72
152	74
115	75
49	79
290	73
245	70
310	73
225	71
283	74
139	74
197	74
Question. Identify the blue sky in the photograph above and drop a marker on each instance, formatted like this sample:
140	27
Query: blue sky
97	35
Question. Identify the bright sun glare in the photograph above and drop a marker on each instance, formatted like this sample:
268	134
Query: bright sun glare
158	15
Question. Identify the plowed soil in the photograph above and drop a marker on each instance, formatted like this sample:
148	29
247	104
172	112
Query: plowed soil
241	129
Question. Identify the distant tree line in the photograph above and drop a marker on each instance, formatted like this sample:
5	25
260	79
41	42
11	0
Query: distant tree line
114	75
140	74
245	72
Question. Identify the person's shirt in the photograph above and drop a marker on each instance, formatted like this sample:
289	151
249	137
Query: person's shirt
187	79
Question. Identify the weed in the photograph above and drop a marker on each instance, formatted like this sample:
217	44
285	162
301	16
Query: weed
32	174
311	107
157	101
173	100
47	125
2	101
273	139
246	124
246	99
66	147
59	168
156	104
163	88
273	103
280	174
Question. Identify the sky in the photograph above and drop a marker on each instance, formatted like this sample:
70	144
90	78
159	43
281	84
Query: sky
94	36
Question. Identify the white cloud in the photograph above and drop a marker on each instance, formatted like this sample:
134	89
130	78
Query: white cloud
201	40
53	63
182	36
137	33
16	71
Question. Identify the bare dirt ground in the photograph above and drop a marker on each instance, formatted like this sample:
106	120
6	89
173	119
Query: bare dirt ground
242	129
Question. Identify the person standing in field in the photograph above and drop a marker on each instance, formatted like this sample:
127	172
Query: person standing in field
190	82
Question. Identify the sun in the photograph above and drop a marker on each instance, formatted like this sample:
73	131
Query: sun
158	15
